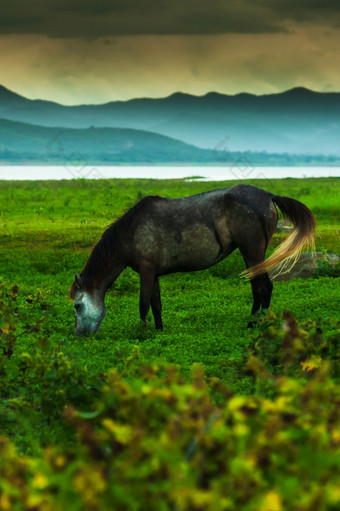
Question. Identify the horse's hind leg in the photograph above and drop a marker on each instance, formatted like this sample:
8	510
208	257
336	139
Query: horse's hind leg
261	286
147	277
150	295
266	289
156	305
256	297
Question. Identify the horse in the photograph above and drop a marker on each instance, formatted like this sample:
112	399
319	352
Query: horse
159	236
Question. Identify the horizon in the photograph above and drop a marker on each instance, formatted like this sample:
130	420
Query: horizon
215	122
212	92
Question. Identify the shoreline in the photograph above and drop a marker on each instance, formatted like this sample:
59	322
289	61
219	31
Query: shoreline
205	173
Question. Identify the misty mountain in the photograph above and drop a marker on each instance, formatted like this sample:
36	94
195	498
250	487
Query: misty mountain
298	121
26	143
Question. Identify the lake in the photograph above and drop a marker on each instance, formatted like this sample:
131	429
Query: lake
241	171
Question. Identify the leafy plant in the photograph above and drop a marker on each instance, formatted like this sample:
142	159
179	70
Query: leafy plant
284	347
327	267
126	419
157	442
35	387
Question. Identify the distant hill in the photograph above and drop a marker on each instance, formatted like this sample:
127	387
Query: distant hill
22	143
298	121
25	143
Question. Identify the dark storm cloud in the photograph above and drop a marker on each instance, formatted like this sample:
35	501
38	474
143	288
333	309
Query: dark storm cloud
98	18
316	11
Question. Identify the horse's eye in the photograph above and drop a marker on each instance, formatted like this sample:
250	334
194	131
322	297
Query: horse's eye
77	306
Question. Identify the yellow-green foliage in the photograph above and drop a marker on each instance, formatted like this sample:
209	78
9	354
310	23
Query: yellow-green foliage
159	443
77	435
145	438
296	350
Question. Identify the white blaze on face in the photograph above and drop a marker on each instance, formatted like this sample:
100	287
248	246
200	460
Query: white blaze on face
90	312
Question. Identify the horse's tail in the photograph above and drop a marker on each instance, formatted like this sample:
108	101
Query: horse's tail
287	253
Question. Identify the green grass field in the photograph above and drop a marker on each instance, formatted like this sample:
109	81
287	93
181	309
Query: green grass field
48	228
204	416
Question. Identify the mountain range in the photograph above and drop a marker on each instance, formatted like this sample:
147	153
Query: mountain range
208	128
23	143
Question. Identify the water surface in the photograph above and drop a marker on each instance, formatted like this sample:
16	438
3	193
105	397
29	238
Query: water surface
243	171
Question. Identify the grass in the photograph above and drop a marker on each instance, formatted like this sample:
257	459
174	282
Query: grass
48	228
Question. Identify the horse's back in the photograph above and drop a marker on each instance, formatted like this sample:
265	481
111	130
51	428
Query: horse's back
197	231
181	234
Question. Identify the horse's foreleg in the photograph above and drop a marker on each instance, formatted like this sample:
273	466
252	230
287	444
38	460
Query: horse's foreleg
147	277
156	305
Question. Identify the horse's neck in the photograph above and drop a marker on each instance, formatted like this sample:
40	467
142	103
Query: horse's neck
103	273
111	277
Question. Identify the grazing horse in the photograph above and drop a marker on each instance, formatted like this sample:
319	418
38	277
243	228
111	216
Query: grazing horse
158	236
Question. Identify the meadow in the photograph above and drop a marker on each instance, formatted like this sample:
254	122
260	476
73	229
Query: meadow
48	229
46	232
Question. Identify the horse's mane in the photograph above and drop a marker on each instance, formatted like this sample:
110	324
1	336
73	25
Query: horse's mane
110	244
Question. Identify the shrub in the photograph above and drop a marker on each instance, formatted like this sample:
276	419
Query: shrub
284	347
160	443
35	387
147	439
327	266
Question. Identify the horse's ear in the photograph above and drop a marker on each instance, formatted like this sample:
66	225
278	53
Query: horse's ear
77	280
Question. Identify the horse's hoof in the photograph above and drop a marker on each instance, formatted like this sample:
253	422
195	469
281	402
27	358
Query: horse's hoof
252	324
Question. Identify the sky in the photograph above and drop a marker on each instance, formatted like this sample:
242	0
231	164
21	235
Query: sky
95	51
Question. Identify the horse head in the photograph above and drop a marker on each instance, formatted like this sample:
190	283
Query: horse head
89	308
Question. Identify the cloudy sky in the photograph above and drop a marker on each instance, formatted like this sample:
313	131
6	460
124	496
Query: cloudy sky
93	51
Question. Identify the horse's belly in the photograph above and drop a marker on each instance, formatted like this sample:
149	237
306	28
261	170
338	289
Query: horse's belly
195	248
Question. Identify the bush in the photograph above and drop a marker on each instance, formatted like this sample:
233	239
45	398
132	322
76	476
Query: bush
327	266
147	439
35	387
284	347
160	443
